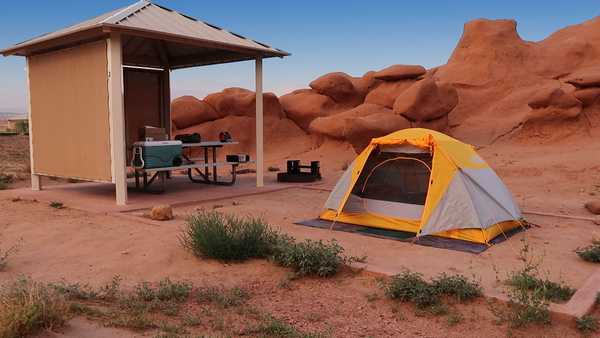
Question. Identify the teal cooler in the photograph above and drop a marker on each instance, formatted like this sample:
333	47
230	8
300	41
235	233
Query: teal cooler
156	154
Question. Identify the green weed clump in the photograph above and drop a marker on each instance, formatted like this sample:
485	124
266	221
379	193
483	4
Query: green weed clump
223	297
590	253
310	257
227	237
587	324
410	286
26	307
230	238
549	290
458	286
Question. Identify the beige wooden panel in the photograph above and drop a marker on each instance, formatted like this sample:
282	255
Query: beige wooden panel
69	111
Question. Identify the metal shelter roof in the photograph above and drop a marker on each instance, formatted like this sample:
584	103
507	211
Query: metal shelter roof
177	39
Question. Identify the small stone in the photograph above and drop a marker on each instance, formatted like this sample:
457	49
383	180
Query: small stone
161	213
593	207
597	220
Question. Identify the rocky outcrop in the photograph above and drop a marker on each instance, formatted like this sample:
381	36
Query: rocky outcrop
361	130
304	105
495	85
384	94
554	104
426	100
187	111
242	102
400	72
336	126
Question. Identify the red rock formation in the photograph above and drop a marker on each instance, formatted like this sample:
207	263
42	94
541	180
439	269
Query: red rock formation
187	111
335	126
242	102
385	93
426	100
400	72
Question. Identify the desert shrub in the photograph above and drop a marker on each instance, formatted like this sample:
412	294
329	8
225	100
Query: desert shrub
177	291
27	307
527	307
273	169
587	324
549	290
273	327
410	286
458	286
223	297
57	205
310	257
590	253
75	291
227	237
5	255
5	180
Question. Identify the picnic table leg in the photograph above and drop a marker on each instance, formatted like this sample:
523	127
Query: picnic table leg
206	162
137	179
214	162
145	180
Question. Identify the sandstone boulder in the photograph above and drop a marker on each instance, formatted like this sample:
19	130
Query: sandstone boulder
426	100
365	84
187	111
593	207
400	72
439	124
587	96
335	126
586	77
339	87
385	93
305	105
551	104
242	102
361	130
161	213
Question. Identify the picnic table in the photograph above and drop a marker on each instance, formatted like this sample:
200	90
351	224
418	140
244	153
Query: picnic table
199	169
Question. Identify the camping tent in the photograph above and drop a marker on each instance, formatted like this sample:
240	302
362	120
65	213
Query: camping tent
421	181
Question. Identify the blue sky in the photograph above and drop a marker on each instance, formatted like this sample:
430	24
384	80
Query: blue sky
353	36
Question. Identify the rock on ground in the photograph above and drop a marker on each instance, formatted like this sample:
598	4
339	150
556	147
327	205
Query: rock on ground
161	213
593	207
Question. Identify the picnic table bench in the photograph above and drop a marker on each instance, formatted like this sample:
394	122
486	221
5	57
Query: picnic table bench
199	170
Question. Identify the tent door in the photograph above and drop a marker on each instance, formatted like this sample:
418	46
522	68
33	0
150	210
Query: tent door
392	184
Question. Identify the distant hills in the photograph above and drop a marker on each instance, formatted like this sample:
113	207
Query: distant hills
7	115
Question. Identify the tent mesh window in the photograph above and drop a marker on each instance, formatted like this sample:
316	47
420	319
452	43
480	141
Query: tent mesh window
396	177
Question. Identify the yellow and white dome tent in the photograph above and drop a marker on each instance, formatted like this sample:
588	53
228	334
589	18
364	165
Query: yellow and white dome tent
425	182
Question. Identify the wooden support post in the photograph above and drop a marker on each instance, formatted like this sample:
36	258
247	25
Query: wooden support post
260	167
117	117
36	180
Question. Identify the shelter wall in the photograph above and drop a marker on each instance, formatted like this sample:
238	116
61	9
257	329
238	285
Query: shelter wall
70	113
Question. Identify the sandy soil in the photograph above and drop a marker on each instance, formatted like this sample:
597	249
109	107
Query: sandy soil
91	248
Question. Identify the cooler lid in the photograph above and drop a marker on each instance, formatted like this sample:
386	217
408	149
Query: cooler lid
157	143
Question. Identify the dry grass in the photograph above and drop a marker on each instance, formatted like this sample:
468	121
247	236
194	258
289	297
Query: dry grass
27	307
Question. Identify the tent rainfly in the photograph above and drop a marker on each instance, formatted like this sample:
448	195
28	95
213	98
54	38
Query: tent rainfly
93	84
424	182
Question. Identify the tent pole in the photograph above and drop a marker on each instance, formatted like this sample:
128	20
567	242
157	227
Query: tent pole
259	124
117	118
